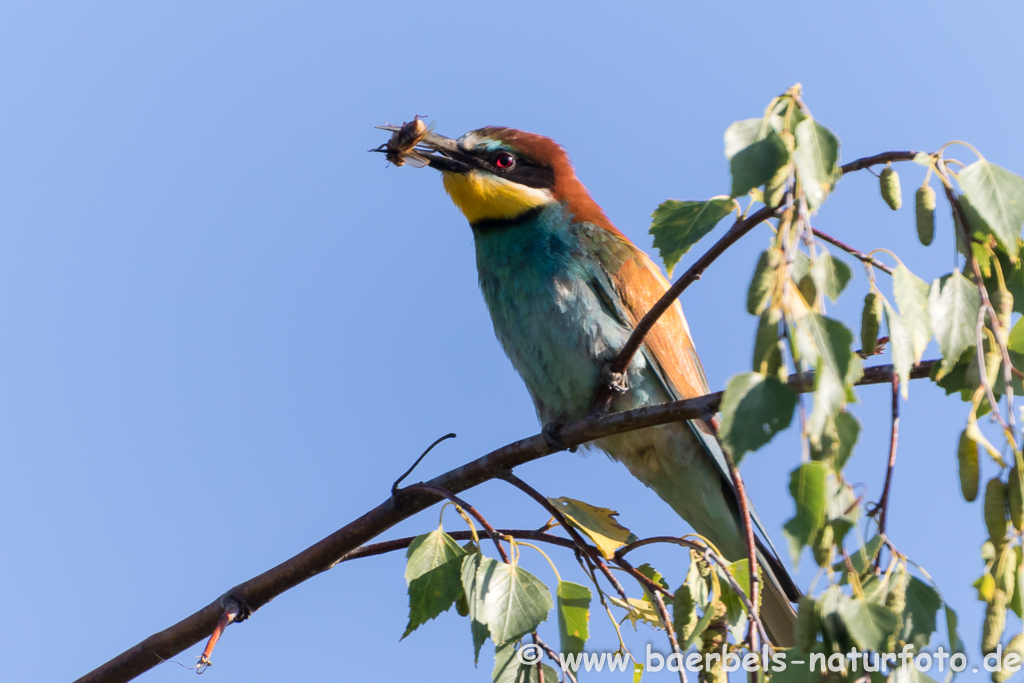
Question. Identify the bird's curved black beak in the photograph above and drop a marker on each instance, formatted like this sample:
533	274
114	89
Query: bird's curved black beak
440	152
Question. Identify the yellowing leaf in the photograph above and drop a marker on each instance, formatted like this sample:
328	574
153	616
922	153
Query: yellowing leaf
639	610
599	524
986	586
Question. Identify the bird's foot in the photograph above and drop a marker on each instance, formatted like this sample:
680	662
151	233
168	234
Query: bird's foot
235	610
551	433
617	382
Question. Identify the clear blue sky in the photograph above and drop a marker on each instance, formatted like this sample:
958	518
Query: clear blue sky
226	328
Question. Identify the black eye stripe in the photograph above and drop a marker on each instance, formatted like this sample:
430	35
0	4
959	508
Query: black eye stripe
531	176
522	171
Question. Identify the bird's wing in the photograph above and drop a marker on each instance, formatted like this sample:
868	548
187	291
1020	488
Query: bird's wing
638	284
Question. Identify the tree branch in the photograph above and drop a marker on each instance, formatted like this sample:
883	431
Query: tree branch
320	557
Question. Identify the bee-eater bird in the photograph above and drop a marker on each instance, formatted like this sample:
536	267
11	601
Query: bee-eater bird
565	289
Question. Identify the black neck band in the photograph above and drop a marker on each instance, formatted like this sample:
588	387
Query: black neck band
496	224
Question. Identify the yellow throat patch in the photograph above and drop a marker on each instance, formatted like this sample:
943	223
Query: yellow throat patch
483	196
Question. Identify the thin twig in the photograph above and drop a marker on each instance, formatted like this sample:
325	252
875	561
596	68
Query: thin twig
670	630
883	502
553	655
870	260
323	555
748	531
437	490
394	487
540	662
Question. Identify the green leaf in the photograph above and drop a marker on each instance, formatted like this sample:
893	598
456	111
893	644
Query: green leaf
514	600
653	574
471	565
868	623
598	524
837	441
763	283
901	343
1015	344
679	225
698	584
963	378
757	162
919	623
1013	275
831	275
795	673
508	669
573	616
807	486
702	624
740	571
742	134
754	408
842	501
433	575
800	267
827	345
816	157
429	552
767	345
912	297
735	612
862	557
953	304
998	197
1016	602
833	627
684	613
956	644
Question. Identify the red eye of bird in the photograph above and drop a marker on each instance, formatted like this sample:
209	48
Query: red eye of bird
504	160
